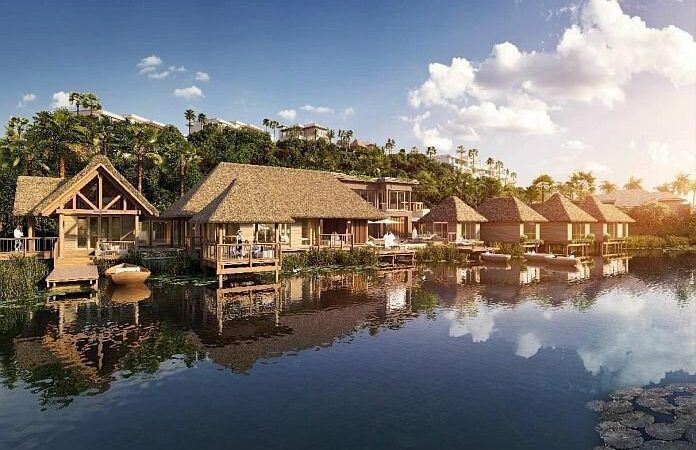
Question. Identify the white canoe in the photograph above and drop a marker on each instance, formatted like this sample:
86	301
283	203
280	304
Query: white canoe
562	260
124	274
536	256
495	257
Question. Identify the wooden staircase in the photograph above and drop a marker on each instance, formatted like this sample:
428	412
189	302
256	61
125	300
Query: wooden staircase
75	258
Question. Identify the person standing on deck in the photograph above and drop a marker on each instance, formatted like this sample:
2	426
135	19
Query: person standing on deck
18	235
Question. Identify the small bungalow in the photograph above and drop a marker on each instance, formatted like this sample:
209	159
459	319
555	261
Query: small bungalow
510	220
98	213
568	228
296	208
611	228
453	220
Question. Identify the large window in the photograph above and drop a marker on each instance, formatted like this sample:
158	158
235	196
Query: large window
529	230
578	230
440	229
284	233
160	233
264	232
399	200
469	231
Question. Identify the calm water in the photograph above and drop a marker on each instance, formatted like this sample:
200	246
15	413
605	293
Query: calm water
436	357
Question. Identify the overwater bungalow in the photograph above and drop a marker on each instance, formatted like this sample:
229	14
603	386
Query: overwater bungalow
611	228
510	220
98	214
568	228
453	220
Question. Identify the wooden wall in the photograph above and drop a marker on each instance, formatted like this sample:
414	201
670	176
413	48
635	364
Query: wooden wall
501	231
556	232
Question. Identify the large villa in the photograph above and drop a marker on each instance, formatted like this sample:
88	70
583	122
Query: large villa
240	218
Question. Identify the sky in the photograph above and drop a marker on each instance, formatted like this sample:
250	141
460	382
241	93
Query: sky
547	86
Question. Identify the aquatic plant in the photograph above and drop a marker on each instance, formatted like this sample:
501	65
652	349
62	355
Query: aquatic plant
20	277
437	253
167	342
317	258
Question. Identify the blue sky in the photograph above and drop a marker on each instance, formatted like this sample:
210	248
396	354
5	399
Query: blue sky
360	60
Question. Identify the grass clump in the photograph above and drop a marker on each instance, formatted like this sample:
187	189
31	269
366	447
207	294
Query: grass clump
320	258
20	277
438	253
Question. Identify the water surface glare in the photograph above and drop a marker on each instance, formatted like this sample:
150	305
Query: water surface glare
434	357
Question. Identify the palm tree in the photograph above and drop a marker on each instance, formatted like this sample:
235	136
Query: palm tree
190	116
389	146
608	187
431	151
14	144
266	122
331	134
473	153
75	98
202	120
692	188
490	162
542	184
414	149
461	150
513	178
91	101
681	184
633	183
665	187
499	169
142	140
274	125
60	134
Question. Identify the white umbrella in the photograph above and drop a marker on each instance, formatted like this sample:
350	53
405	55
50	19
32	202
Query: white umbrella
384	221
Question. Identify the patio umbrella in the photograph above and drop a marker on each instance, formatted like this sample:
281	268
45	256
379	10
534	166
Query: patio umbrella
384	221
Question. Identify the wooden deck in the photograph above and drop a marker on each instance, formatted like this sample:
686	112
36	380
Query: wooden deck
73	274
396	257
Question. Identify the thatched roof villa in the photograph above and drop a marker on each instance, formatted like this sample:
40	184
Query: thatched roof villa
568	225
510	220
453	219
611	227
296	207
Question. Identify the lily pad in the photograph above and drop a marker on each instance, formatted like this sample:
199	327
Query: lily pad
659	392
665	431
636	419
667	445
627	393
682	387
618	436
654	403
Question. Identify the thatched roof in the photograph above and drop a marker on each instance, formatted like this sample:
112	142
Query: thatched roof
604	212
243	193
630	198
559	208
508	209
31	191
31	201
452	209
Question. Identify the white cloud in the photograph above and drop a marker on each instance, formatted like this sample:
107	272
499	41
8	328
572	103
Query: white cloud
317	109
593	166
431	137
26	99
61	99
202	76
158	75
189	93
288	114
149	64
575	145
516	91
177	69
660	152
528	345
350	111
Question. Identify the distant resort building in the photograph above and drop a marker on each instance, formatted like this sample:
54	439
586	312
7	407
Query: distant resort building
628	199
393	196
358	144
568	227
309	132
133	118
510	220
222	124
464	165
453	220
611	228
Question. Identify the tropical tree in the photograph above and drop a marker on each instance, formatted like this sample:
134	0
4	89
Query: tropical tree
179	153
580	185
607	187
681	184
389	145
473	153
14	147
60	134
202	120
490	162
91	102
190	116
431	151
499	168
665	187
75	98
542	185
513	178
266	123
633	183
461	151
692	189
331	134
141	140
274	124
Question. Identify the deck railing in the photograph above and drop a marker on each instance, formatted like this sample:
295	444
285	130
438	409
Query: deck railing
28	246
240	252
114	249
335	240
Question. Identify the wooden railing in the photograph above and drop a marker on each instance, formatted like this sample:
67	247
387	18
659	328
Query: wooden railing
240	252
335	240
113	249
28	246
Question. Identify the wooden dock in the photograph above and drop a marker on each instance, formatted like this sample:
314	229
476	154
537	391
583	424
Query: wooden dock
82	273
394	257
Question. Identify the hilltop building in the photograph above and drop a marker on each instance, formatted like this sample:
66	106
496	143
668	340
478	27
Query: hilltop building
310	132
222	123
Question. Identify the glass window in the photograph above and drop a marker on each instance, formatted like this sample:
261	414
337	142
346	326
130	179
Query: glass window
265	232
469	231
116	229
231	232
578	230
529	230
440	229
284	233
91	192
109	193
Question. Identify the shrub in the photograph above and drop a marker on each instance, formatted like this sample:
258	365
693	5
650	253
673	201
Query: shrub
315	258
645	241
508	248
20	277
676	241
436	253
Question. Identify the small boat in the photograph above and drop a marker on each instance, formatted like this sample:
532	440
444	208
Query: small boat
533	256
123	274
131	293
495	257
562	260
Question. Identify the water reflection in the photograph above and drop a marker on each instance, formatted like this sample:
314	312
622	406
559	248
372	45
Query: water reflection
594	328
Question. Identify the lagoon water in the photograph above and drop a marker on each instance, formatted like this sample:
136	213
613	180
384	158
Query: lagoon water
435	357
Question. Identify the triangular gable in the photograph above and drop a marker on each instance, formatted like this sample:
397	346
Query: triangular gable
74	187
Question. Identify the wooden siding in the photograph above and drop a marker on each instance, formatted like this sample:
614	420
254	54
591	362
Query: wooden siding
501	231
555	232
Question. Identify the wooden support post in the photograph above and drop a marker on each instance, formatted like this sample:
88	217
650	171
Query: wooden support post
136	230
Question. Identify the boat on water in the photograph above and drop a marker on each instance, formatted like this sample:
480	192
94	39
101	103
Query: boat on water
495	257
533	256
125	274
130	293
562	260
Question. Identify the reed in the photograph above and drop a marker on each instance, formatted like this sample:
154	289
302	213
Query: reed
20	277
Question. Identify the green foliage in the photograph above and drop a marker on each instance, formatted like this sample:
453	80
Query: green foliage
20	277
167	342
638	241
174	264
437	253
509	248
316	258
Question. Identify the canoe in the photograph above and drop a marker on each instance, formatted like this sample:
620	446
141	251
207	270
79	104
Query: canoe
562	260
131	293
536	256
123	274
495	257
